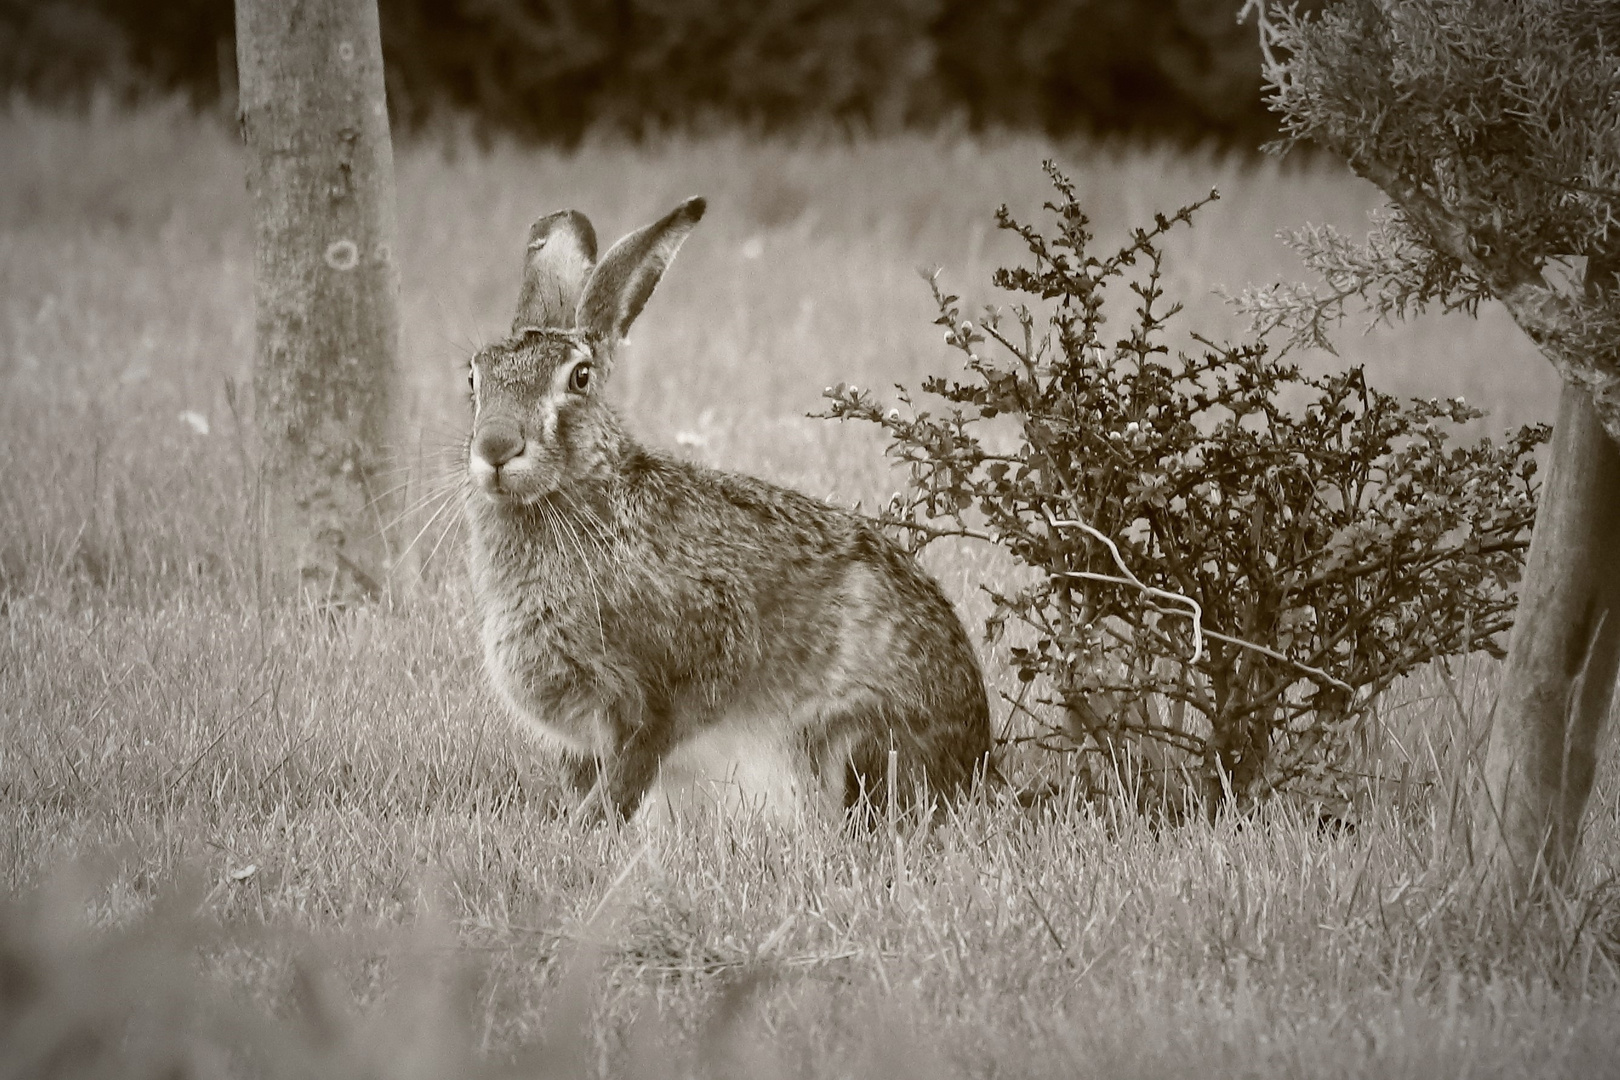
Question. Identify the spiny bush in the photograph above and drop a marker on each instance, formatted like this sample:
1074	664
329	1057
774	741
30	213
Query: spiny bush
1230	558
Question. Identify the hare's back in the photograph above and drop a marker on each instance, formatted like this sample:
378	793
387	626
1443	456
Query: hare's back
823	585
858	645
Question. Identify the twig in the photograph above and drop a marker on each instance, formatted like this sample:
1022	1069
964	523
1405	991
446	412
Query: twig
1266	30
1275	655
1195	612
935	533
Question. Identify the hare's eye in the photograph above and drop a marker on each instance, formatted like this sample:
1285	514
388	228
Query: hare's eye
579	380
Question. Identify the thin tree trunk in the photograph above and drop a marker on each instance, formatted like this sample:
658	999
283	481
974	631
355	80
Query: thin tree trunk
321	175
1562	659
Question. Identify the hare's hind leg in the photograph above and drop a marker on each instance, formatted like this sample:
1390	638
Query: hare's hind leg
852	759
850	750
920	767
867	778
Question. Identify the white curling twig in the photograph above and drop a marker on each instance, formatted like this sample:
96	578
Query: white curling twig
1195	611
1275	655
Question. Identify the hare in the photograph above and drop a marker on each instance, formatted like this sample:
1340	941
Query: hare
677	632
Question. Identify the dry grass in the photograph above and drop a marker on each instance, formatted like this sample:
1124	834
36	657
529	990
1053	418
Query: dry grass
275	784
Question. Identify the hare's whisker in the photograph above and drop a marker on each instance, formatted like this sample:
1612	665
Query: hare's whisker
578	513
435	494
450	526
402	460
584	562
448	501
388	493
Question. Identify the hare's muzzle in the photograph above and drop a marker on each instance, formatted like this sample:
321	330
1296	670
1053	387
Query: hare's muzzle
498	445
494	446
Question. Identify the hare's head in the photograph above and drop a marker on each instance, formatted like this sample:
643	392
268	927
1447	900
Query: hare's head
538	418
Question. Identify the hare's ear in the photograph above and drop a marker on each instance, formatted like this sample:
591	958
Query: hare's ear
561	253
621	283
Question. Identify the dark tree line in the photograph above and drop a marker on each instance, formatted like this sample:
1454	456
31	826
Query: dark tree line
552	69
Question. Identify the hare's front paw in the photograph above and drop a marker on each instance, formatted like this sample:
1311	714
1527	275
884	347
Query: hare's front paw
610	791
584	800
590	811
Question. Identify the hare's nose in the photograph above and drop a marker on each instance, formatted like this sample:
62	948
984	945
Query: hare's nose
499	445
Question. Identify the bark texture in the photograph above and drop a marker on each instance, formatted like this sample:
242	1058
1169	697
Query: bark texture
321	176
1562	659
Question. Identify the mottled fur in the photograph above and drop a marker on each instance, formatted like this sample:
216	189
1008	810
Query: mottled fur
677	630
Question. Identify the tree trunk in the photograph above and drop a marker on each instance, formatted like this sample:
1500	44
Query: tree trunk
321	175
1561	662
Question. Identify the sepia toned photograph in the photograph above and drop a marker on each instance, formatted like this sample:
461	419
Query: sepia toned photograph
851	539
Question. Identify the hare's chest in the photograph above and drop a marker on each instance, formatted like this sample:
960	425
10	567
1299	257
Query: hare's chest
552	685
544	647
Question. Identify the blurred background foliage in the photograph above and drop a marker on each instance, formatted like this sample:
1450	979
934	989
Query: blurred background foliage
552	70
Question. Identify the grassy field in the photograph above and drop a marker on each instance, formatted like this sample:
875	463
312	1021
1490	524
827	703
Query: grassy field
259	790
